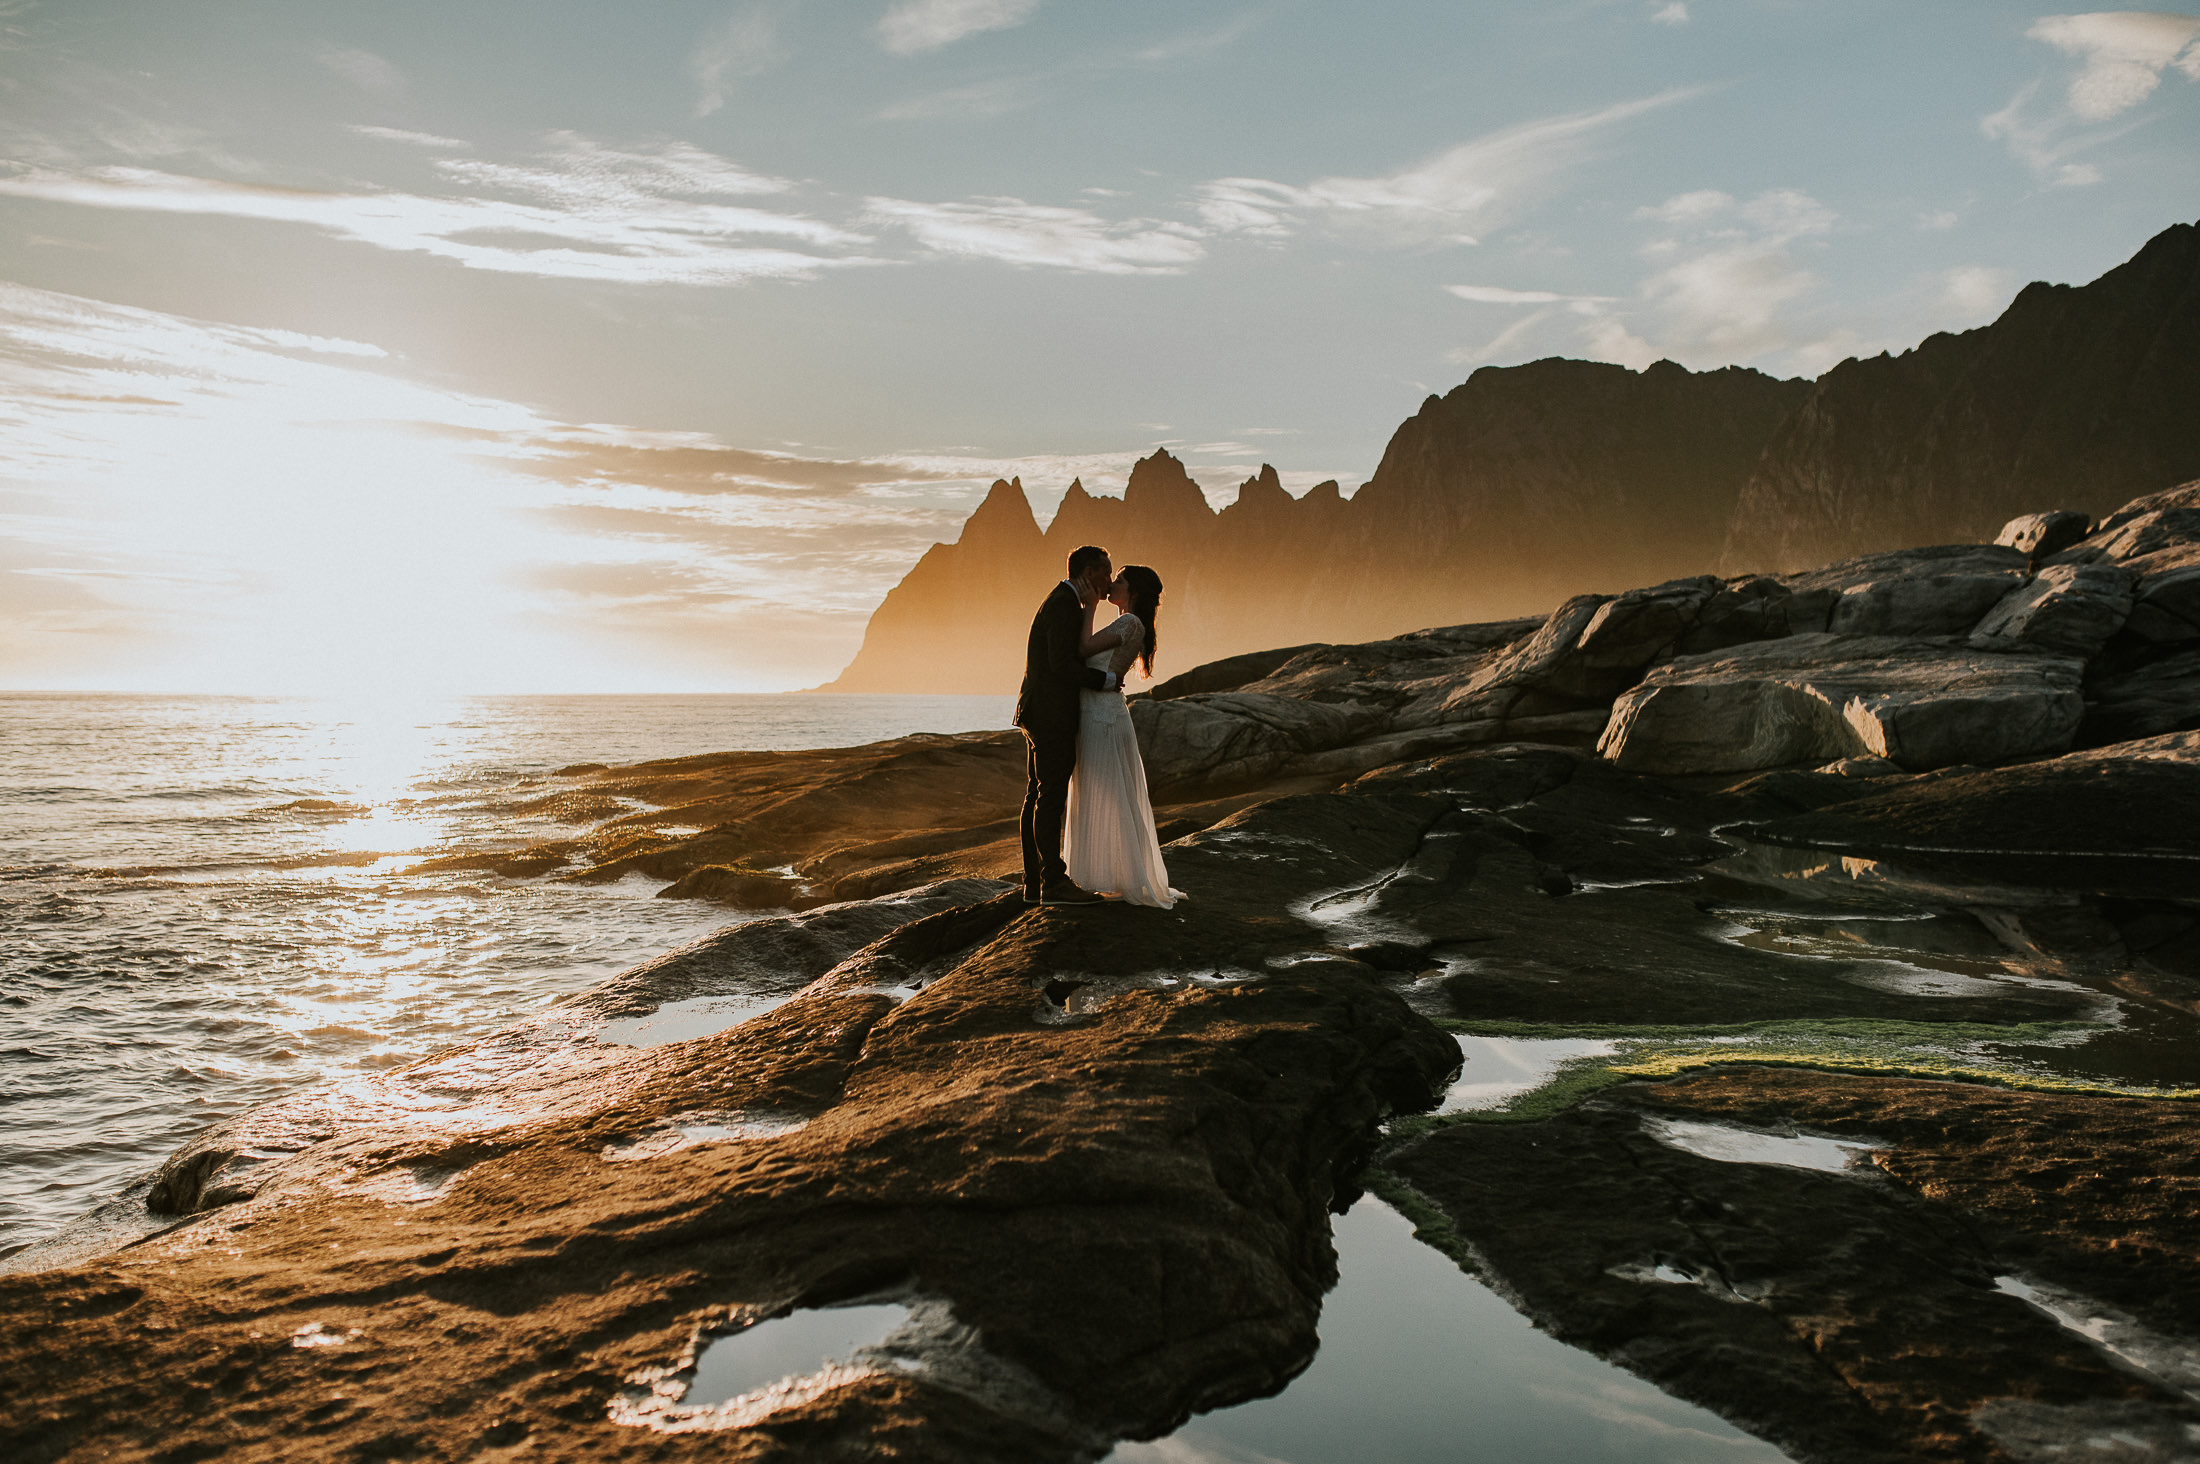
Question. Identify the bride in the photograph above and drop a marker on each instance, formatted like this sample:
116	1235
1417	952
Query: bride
1109	840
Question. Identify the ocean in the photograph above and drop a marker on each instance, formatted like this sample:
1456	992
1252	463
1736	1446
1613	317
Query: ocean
204	903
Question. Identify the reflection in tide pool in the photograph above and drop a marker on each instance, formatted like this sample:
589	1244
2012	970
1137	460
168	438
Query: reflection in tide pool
795	1345
1500	1069
679	1021
1730	1145
1422	1364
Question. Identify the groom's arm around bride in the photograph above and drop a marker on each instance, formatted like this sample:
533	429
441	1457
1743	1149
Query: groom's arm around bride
1047	711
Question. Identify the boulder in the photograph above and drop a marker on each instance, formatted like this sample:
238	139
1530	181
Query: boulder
1744	610
1625	635
2184	495
2161	696
2145	534
1229	738
2166	603
1948	602
1938	590
2042	534
2068	607
1815	699
1538	659
1379	672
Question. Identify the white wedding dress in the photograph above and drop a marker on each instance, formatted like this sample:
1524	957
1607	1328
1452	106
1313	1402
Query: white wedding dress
1108	840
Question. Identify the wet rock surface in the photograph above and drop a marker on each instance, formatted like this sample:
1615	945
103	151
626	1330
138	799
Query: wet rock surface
1888	884
1122	1205
1855	1313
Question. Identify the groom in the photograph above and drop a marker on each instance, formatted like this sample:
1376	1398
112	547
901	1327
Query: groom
1046	709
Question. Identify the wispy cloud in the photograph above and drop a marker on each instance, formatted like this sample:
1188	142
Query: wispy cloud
1726	284
410	139
1673	14
1011	231
995	96
2124	55
363	69
926	25
1497	295
971	102
745	43
577	211
1547	305
1198	42
1449	198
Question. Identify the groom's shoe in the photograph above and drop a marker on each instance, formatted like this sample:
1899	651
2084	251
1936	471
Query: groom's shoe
1066	892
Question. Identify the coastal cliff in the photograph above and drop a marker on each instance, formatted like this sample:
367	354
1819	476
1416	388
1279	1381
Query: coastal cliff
1527	484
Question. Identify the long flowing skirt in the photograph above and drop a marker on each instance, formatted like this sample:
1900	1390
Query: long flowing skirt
1108	840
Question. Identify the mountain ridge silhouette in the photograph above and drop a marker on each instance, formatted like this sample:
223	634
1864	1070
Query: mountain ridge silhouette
1526	484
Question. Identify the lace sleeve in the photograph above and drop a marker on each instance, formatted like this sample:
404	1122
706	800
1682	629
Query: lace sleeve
1134	639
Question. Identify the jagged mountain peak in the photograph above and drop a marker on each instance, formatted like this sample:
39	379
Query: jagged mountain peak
1003	518
1160	487
1261	496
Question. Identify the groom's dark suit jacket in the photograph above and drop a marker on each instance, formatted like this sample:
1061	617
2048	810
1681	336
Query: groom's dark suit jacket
1053	671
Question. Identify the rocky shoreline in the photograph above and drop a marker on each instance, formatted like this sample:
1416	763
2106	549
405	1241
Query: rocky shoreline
1890	864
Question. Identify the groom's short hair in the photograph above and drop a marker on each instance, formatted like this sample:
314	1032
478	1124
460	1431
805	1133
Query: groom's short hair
1085	558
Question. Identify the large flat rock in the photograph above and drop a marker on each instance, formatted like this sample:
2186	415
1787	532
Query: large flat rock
1940	589
2129	814
1812	699
1234	738
1102	1217
2153	697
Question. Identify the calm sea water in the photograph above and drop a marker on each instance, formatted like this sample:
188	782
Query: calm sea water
202	901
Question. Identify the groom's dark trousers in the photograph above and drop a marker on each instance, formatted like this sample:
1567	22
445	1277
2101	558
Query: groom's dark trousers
1046	710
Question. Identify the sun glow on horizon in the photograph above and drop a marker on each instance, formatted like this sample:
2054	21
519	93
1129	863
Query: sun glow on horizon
210	509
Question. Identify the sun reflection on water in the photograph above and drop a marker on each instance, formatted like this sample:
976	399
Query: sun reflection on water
214	900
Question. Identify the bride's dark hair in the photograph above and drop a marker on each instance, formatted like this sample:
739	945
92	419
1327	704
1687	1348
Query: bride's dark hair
1145	587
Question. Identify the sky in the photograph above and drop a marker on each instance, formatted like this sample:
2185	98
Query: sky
547	346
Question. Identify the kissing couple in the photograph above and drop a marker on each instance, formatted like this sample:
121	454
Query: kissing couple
1087	823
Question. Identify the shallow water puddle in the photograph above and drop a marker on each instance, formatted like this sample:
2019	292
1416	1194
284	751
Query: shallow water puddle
2168	1360
682	1021
1499	1069
1901	978
1422	1364
793	1346
1731	1145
